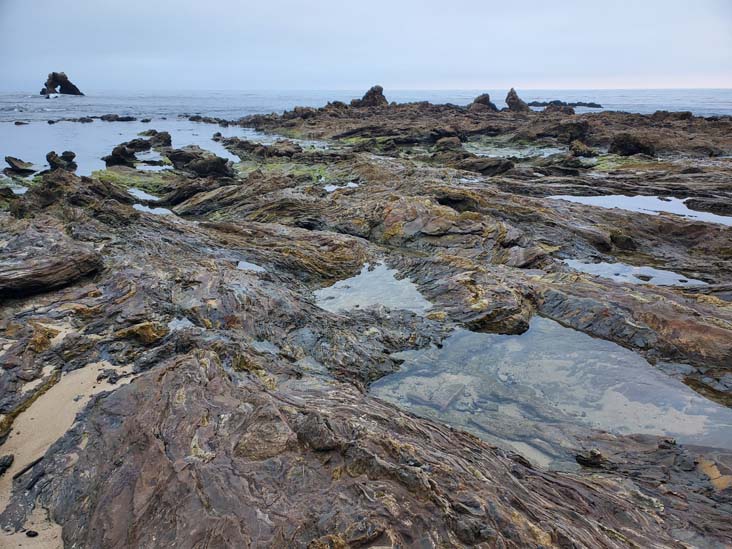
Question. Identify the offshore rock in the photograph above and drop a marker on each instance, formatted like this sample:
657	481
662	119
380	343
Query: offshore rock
117	118
61	81
372	98
201	163
18	166
560	103
482	103
558	109
63	162
515	103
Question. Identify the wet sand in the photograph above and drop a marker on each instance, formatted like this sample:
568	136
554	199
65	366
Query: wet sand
36	429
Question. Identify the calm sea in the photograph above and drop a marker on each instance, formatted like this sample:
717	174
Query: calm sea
92	141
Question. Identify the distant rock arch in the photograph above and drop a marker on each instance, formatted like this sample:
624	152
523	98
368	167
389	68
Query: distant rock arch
58	82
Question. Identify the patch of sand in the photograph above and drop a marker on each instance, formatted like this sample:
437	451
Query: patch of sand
49	533
42	424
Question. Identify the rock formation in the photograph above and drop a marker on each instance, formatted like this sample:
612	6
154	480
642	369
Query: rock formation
63	162
481	103
559	103
202	394
18	166
374	97
58	82
515	103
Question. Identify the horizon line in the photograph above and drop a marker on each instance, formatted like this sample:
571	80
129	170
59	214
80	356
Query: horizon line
386	89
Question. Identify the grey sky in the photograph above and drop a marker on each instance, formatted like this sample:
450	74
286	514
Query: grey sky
337	44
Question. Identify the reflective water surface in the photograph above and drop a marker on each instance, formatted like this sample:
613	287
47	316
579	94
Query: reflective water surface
375	285
647	204
142	195
535	392
621	272
246	266
154	211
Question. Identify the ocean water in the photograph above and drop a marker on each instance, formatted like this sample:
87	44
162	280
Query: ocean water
92	141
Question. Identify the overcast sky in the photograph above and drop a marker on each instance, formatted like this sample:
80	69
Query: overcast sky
341	44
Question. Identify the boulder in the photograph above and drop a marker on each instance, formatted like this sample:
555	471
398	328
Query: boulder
63	162
58	82
200	162
482	103
19	166
121	156
158	139
628	144
515	103
372	98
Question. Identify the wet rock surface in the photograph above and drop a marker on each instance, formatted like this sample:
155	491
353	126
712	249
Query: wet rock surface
245	416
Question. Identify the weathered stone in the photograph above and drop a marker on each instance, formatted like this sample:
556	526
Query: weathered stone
482	103
374	97
61	81
515	103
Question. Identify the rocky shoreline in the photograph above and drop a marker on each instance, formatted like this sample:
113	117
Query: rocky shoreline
230	408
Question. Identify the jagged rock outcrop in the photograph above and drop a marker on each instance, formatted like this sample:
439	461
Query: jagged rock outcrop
515	103
482	103
63	162
18	166
58	82
236	407
372	98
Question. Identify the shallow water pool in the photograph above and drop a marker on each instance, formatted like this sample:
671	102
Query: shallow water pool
535	392
647	204
621	272
375	285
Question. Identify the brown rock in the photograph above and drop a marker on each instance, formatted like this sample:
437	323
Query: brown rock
515	103
372	98
38	261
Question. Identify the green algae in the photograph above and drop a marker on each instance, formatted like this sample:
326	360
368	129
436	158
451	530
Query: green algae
152	182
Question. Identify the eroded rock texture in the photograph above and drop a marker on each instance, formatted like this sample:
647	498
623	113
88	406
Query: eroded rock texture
242	415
